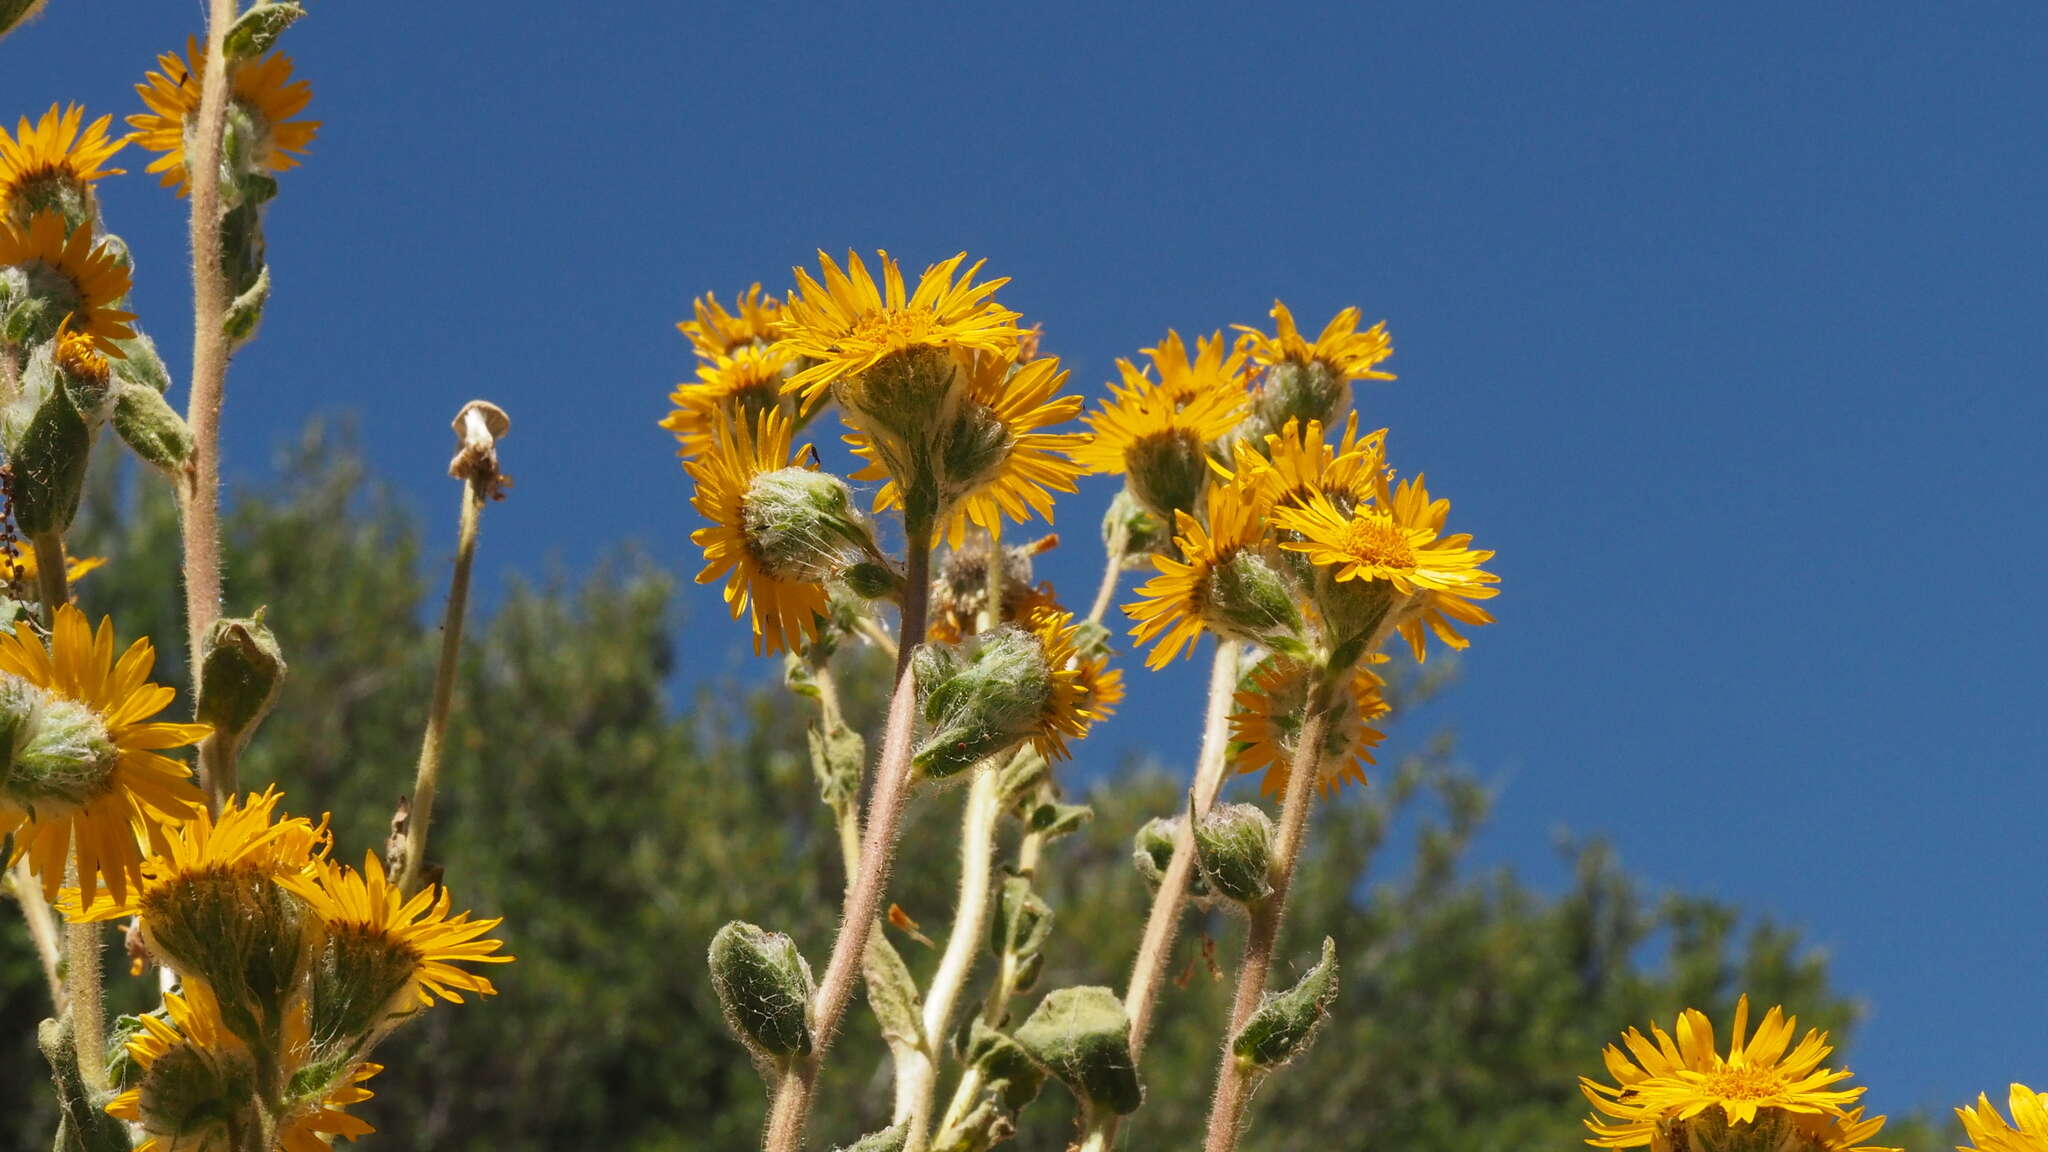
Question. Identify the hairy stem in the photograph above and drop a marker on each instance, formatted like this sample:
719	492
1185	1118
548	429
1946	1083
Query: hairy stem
1162	925
1119	539
200	492
792	1104
427	778
1234	1082
43	930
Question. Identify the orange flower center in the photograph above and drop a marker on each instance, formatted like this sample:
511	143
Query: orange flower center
1374	539
1741	1082
893	328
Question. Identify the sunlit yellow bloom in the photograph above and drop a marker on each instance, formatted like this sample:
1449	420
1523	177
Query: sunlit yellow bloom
312	1127
1661	1081
848	324
757	319
85	276
60	147
1989	1131
366	910
1342	348
1142	419
1171	605
263	89
105	815
741	383
247	840
1265	731
784	612
1216	368
18	571
1296	464
1033	464
1069	707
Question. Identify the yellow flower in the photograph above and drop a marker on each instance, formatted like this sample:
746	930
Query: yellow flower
1030	464
1214	368
848	324
103	815
1342	348
1989	1132
218	1060
1398	540
1266	728
1143	420
246	840
55	150
1172	605
85	276
1297	464
740	383
1670	1082
716	332
365	912
263	89
784	612
18	571
1069	707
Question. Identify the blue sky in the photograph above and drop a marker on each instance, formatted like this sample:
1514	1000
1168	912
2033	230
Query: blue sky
1723	325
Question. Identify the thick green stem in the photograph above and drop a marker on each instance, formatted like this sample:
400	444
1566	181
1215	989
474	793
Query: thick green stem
1235	1081
427	777
792	1103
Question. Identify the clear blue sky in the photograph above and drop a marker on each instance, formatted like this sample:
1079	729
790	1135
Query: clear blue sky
1723	325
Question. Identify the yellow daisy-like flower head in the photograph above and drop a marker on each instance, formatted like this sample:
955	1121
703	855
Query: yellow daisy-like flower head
1296	464
1265	731
78	277
715	333
263	96
1664	1083
1341	348
1198	591
1215	368
385	957
1989	1132
998	460
848	325
1412	576
741	383
87	775
1070	706
18	578
785	604
1159	443
51	164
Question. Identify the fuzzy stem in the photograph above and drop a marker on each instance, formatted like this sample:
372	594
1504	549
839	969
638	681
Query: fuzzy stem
1163	923
1098	1129
792	1104
1234	1081
200	492
426	780
1119	539
970	919
43	931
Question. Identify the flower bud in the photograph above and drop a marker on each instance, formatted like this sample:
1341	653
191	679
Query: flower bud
256	31
872	580
15	13
1021	922
1143	534
1234	845
1247	599
141	364
149	425
801	525
1053	820
241	672
84	373
765	986
49	463
986	706
58	753
1286	1022
1082	1036
245	312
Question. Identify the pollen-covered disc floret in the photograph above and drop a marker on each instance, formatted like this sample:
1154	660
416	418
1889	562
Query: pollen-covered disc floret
79	277
86	771
715	332
262	90
1669	1082
1011	465
848	324
740	383
1340	347
1174	606
56	158
1265	730
1989	1131
783	611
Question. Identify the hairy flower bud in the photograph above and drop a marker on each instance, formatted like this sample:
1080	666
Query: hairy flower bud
1234	845
242	671
801	525
49	458
1285	1024
1133	533
1082	1036
149	425
256	31
1247	599
58	754
765	986
15	13
987	705
1021	922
